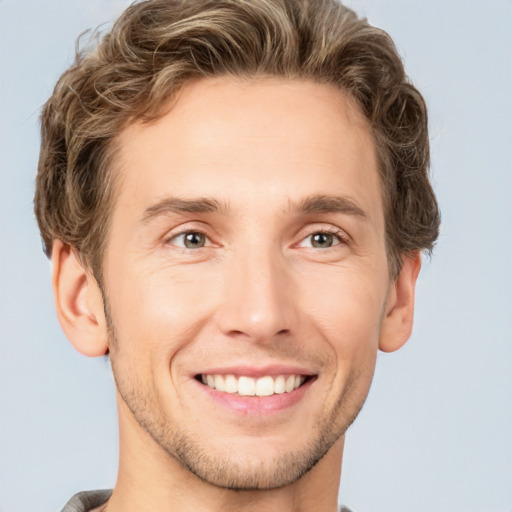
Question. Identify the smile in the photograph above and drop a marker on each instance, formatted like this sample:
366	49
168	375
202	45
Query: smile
248	386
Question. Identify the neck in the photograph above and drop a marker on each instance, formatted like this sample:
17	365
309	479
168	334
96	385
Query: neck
151	480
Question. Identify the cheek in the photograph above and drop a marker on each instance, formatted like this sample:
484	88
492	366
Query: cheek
347	310
155	312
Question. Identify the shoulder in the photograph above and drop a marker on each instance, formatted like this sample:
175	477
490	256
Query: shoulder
87	500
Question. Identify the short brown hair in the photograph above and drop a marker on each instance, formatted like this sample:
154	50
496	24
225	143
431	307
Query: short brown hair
157	46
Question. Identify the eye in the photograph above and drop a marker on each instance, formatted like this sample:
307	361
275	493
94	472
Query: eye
322	240
189	240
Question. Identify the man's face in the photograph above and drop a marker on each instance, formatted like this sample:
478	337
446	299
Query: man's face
247	251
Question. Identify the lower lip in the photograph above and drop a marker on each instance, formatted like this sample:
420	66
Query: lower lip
259	405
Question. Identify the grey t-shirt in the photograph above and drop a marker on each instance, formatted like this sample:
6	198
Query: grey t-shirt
87	500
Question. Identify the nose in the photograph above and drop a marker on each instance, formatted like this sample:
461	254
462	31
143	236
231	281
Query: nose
258	300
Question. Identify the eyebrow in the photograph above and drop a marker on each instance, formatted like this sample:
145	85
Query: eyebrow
179	205
308	205
328	204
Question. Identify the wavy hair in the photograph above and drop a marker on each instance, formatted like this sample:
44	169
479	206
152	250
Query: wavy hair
157	46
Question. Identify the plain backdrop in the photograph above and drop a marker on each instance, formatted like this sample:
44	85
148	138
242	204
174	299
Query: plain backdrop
436	431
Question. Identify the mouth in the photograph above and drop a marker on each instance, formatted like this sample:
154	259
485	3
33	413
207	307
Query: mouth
247	386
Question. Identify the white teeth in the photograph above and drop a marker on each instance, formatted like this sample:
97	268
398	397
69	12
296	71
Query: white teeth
230	384
219	382
290	383
265	386
248	386
279	385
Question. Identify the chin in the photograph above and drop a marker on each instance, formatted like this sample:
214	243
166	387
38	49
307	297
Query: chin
237	472
249	462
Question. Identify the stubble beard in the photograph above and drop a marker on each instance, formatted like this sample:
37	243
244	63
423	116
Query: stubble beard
219	469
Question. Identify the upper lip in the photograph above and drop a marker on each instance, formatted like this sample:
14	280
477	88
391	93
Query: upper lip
257	371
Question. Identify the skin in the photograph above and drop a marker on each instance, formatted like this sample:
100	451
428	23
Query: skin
259	292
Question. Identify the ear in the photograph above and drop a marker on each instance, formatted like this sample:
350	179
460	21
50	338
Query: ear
396	326
78	301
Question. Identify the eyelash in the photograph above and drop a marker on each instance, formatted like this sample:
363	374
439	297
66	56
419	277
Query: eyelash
338	233
173	236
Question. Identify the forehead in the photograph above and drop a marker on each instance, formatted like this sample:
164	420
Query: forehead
248	143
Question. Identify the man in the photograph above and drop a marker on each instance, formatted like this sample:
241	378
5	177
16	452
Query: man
234	196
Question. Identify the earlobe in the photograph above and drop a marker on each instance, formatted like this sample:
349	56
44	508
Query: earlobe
397	323
78	301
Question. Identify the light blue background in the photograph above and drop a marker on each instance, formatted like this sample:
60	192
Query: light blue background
436	432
